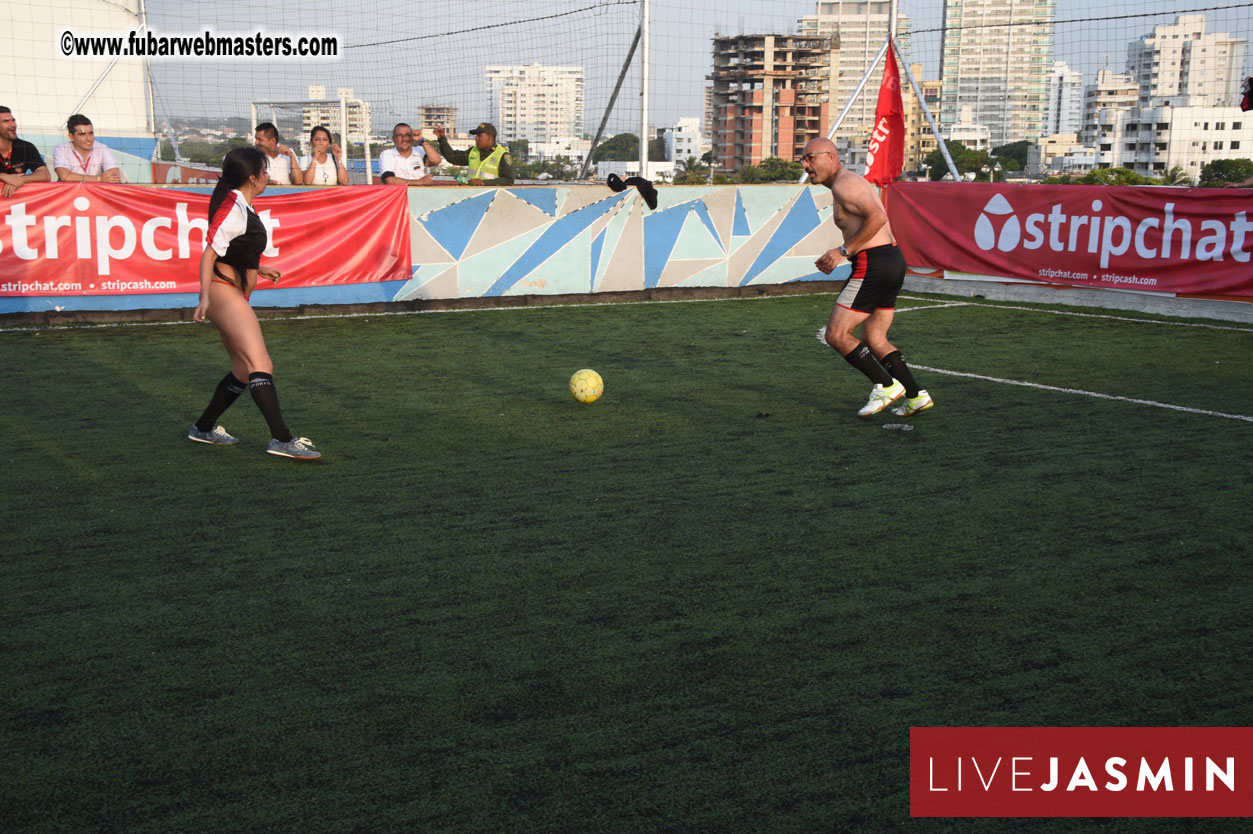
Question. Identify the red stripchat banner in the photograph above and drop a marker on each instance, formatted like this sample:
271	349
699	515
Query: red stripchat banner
1176	240
1081	771
100	239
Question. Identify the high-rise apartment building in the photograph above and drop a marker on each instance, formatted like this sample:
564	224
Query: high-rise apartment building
683	141
919	140
1063	110
858	30
1181	62
432	115
331	115
770	96
537	103
1111	94
996	58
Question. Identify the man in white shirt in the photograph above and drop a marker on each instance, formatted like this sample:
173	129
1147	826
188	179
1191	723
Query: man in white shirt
83	159
406	164
282	158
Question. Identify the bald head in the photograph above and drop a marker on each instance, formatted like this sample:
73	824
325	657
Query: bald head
820	145
820	161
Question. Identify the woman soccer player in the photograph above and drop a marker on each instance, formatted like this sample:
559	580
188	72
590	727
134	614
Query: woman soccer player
228	274
325	165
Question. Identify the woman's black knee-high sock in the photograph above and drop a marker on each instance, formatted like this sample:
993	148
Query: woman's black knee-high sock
227	392
262	387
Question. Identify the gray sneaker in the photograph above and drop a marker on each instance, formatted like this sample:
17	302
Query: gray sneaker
217	437
298	447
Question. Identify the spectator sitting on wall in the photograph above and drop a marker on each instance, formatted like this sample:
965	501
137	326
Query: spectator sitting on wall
325	165
83	159
489	163
20	161
406	164
282	158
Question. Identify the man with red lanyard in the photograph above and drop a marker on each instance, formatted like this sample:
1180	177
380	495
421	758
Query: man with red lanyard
20	161
83	159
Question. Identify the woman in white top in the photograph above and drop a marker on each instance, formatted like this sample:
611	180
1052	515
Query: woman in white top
325	166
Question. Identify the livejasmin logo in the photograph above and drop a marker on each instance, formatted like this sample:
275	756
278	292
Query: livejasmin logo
1020	771
1109	236
111	237
1080	771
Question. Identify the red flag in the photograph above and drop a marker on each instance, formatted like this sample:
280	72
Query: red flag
885	156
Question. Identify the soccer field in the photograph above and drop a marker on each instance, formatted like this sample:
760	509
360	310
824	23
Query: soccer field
713	601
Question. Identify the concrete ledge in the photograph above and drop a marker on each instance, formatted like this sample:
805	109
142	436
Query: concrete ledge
1140	302
51	318
1236	311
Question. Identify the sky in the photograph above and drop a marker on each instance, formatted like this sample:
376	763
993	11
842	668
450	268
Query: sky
403	55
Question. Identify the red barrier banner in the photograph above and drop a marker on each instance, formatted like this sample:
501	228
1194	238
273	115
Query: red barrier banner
97	239
1177	240
1081	771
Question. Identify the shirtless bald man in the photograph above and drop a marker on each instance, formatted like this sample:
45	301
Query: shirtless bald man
869	297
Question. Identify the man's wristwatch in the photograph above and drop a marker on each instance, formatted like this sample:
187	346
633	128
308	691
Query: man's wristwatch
844	252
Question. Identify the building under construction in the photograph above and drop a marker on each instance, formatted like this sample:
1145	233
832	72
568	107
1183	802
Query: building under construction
770	96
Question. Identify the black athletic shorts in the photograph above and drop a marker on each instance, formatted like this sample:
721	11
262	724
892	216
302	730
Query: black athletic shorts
877	276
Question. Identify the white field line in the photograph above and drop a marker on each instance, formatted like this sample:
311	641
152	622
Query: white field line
1093	394
939	306
1075	314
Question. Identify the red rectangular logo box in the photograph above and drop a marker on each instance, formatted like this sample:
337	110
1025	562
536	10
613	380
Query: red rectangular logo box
1081	772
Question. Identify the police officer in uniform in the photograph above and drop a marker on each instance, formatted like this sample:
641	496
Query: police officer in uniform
489	163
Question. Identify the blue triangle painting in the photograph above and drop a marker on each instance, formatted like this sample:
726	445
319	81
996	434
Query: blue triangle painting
544	199
562	231
453	226
801	219
740	226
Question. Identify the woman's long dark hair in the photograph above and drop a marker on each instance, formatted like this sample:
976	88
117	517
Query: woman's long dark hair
238	166
330	140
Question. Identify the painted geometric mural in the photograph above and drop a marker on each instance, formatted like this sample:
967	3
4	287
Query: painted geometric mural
539	241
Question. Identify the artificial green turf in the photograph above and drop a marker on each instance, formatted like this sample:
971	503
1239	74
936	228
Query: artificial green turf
712	601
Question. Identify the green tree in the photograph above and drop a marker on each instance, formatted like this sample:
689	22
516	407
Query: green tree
774	169
690	171
557	168
967	160
1013	157
1176	176
520	149
1222	171
1116	176
625	147
748	174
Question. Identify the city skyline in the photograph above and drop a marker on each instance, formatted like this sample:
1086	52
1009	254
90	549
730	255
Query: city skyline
398	73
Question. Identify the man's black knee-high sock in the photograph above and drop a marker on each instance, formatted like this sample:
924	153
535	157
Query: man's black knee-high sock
862	358
895	363
227	392
262	387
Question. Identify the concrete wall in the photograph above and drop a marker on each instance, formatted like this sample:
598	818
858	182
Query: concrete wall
579	239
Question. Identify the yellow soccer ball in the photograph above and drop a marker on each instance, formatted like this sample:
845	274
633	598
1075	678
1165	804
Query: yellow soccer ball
586	386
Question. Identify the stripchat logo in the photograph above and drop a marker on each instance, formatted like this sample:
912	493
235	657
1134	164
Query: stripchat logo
1109	236
986	235
1081	771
